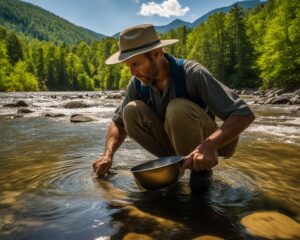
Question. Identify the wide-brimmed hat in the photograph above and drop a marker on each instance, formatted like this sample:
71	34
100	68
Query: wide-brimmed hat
136	40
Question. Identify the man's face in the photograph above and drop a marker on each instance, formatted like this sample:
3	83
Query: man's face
143	67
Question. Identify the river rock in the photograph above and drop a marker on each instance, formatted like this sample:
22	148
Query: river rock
54	115
10	116
80	118
257	93
296	93
21	103
274	93
281	100
237	91
295	99
76	104
136	236
271	225
247	91
208	237
24	110
114	96
10	105
269	100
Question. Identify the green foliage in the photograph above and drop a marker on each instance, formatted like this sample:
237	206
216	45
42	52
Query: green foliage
279	60
180	48
21	79
125	77
260	47
5	68
221	44
14	48
38	23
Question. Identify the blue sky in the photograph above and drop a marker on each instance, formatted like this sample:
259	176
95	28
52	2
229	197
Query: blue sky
111	16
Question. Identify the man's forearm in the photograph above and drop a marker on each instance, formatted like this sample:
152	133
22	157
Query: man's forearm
229	130
114	138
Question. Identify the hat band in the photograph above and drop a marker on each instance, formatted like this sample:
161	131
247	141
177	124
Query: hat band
143	46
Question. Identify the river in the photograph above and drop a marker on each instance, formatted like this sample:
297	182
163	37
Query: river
49	191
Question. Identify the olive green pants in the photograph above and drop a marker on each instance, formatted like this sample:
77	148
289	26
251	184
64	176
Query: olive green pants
186	125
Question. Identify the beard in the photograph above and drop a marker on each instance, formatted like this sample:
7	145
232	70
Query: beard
150	75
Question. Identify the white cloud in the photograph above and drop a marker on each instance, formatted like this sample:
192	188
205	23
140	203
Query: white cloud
167	8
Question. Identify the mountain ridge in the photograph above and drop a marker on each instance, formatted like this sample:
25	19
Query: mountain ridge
179	23
36	22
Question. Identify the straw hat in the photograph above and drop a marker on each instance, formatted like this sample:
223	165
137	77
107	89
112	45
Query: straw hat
136	40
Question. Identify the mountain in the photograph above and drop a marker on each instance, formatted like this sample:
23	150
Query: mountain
38	23
179	23
173	25
242	4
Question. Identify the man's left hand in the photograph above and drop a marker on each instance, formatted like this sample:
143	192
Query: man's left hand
204	157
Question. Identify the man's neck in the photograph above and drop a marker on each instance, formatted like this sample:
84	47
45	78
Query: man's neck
164	75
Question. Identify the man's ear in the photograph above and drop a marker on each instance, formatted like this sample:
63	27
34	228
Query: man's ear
157	53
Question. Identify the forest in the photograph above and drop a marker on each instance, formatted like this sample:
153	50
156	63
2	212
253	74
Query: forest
257	48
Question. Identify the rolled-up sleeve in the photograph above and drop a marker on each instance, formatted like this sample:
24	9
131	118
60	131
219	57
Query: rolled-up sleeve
131	94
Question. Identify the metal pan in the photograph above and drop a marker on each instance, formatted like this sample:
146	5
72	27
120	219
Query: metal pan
158	173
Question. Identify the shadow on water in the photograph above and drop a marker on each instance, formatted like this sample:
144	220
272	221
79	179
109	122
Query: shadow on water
177	213
48	189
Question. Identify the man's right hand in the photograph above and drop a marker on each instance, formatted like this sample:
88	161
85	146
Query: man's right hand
101	166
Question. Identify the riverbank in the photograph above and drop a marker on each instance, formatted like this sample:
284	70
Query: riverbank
273	96
21	104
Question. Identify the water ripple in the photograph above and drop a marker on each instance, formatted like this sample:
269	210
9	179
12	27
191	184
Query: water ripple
232	188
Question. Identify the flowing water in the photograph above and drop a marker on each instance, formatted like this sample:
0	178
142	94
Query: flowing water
49	191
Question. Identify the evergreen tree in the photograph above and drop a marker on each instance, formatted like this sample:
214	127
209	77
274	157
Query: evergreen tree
21	79
50	67
40	69
14	48
63	80
280	58
240	73
5	68
125	76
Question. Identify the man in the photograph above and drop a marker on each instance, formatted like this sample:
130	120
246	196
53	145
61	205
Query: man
166	122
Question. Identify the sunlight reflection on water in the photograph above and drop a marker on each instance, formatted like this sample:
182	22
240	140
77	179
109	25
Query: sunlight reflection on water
47	185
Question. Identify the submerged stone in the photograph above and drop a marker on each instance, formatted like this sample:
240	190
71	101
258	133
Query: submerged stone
54	115
21	103
76	104
136	236
208	237
10	116
80	118
24	110
271	225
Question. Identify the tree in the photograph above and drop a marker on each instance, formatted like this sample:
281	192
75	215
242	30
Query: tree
207	44
50	69
5	68
21	79
63	82
125	77
14	48
74	68
85	82
240	58
279	61
40	69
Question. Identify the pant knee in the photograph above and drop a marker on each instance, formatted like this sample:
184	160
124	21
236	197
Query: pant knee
131	113
131	110
180	110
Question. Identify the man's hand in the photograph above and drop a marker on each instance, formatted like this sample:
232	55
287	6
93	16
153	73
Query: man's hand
204	157
101	166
